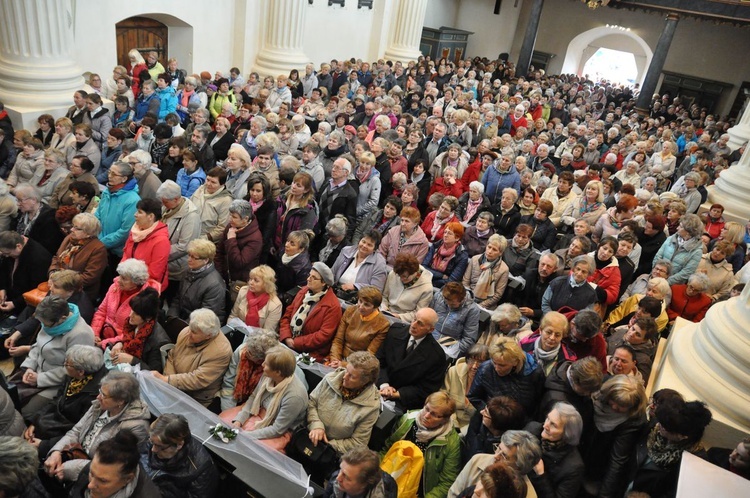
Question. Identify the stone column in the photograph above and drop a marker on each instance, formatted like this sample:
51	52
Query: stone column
39	72
404	41
710	361
284	28
529	38
740	133
657	64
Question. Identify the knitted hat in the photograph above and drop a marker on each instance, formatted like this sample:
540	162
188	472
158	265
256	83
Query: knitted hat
351	129
325	273
298	120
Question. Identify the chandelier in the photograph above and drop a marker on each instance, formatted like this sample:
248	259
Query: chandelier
595	4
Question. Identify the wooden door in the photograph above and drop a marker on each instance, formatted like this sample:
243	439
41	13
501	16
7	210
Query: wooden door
143	34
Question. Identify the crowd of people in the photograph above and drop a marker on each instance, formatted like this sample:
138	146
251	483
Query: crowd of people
492	257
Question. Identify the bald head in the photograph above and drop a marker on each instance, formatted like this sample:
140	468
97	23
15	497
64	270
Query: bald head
423	323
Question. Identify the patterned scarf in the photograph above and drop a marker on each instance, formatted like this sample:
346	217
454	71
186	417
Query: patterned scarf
436	224
248	376
348	394
587	207
75	386
442	257
299	317
134	338
484	284
471	208
550	446
255	303
666	453
362	176
66	256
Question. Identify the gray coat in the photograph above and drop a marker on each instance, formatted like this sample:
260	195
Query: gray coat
135	417
205	289
47	356
373	270
369	194
183	226
461	324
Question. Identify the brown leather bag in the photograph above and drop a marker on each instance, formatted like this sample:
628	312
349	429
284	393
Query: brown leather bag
35	296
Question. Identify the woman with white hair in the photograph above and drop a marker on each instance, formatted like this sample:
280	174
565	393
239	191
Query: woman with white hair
559	473
472	203
487	274
684	249
184	224
114	310
238	250
199	359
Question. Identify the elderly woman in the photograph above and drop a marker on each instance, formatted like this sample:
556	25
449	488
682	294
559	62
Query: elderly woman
487	274
448	184
431	430
114	310
559	473
452	157
212	201
546	346
81	169
277	405
257	303
246	368
359	266
458	380
588	206
610	223
544	233
483	435
202	286
53	172
220	140
83	252
362	328
310	322
477	236
520	253
335	240
408	288
349	390
607	446
657	288
84	146
380	220
84	370
718	270
510	372
471	204
177	463
148	240
238	250
684	249
43	371
407	238
142	336
527	202
29	166
435	222
63	139
294	265
457	327
679	428
447	258
238	164
199	359
691	300
118	407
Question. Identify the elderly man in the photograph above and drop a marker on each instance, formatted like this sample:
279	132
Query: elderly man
148	182
412	363
204	154
23	266
359	474
184	223
529	300
198	361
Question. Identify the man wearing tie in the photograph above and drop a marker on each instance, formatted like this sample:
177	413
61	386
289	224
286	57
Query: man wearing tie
412	363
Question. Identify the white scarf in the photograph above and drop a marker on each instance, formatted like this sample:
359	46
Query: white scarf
425	435
299	317
277	391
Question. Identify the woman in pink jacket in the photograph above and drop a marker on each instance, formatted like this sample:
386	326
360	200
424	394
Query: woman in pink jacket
148	240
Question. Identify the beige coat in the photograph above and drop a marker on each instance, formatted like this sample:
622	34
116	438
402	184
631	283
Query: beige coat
270	314
214	211
720	277
455	386
197	369
348	424
404	302
499	280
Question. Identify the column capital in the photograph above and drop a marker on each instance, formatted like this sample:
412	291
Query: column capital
672	16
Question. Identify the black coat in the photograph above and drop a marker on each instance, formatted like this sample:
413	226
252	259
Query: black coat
563	470
424	190
416	375
463	203
33	263
45	229
266	217
383	165
342	201
151	357
221	148
191	473
650	245
531	295
557	388
145	488
292	277
506	224
545	233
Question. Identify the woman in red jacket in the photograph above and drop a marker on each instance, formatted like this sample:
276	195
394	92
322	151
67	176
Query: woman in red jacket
149	240
310	322
690	300
607	275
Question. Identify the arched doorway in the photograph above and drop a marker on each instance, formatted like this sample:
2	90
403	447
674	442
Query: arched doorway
585	45
612	65
143	34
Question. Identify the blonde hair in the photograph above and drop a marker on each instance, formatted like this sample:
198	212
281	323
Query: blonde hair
266	274
507	349
625	391
443	402
203	248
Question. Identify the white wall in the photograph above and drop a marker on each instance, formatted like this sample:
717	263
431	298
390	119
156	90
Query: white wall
442	13
331	29
493	34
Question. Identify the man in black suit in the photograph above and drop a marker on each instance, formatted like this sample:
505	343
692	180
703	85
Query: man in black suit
412	363
338	196
23	266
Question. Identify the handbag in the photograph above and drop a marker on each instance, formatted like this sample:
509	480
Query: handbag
234	289
35	296
322	454
348	296
73	451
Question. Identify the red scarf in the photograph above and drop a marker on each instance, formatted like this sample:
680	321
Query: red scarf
442	257
255	303
133	340
248	377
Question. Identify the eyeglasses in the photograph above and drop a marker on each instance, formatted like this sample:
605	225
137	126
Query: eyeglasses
103	394
76	228
313	277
